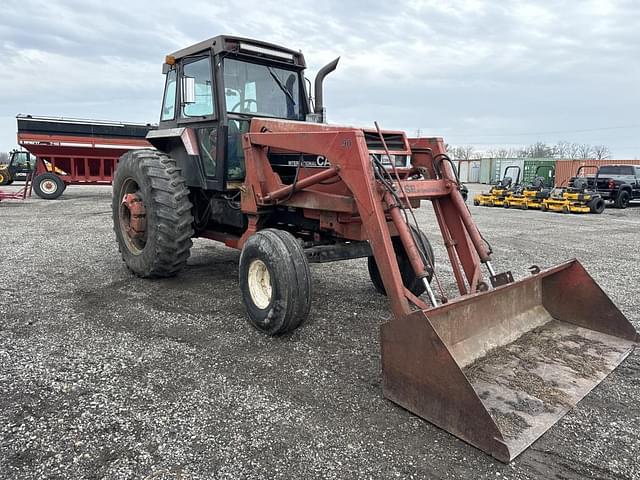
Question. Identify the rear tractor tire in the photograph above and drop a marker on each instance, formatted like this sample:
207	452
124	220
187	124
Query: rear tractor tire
48	186
151	214
409	279
275	281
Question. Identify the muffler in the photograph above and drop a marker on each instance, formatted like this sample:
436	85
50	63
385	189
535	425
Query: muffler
499	368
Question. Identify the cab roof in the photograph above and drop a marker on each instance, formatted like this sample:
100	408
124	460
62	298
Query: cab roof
232	44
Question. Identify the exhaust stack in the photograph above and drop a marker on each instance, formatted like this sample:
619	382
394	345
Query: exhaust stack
319	109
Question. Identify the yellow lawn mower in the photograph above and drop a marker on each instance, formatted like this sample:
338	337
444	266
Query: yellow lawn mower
498	193
532	195
578	197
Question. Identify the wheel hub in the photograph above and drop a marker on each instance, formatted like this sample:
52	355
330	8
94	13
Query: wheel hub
48	186
133	216
260	284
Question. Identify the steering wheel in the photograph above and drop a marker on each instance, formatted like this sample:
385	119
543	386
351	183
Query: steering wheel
242	102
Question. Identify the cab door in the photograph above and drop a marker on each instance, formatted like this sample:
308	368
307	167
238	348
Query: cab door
198	111
21	165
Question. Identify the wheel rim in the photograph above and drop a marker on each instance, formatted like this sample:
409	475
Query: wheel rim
259	281
48	186
132	217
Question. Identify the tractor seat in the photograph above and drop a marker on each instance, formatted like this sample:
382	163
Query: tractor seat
538	183
505	182
542	194
580	184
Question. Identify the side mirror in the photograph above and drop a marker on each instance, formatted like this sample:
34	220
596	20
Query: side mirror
188	90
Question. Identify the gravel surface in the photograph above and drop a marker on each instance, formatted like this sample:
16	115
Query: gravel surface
104	375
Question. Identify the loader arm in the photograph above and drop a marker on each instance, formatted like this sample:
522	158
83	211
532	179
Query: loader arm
378	211
349	158
496	366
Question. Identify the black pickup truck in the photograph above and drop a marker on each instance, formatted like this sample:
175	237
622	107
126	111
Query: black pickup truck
618	183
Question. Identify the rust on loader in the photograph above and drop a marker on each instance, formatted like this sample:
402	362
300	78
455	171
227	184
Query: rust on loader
496	366
499	368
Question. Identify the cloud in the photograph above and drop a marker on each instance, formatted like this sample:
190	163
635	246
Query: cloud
471	70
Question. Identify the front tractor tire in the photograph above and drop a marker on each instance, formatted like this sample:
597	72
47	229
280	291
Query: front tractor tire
275	281
151	214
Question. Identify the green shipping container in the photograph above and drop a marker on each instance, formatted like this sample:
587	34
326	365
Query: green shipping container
544	166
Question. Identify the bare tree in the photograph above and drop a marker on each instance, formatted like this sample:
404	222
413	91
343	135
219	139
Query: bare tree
4	157
539	150
573	151
601	152
499	153
562	149
465	152
585	151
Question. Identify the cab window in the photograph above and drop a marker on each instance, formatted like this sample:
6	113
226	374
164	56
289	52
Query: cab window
616	170
23	161
169	104
200	71
256	89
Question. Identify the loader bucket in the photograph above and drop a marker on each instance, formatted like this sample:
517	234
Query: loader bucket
498	368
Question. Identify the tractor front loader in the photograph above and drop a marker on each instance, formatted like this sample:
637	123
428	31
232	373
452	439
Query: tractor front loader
244	158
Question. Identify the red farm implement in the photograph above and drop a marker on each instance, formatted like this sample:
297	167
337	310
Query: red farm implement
20	194
76	152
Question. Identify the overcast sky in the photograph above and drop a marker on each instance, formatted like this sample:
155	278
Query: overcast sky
474	71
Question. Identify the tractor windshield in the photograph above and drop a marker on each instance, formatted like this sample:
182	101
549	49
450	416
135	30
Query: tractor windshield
254	89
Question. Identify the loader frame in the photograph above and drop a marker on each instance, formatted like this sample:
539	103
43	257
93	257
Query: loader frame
426	351
355	207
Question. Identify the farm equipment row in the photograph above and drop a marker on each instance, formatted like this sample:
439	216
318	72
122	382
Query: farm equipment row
578	197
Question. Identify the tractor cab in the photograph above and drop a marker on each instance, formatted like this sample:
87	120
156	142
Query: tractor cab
213	90
20	165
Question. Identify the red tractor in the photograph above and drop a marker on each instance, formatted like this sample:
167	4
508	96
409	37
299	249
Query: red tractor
243	157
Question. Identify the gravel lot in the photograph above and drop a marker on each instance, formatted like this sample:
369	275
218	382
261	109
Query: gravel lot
104	375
